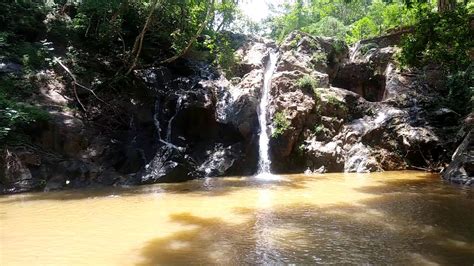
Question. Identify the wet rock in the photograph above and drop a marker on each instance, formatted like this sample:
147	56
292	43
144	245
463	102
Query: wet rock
246	99
461	168
303	52
55	183
15	175
156	77
327	155
7	67
293	103
220	160
63	133
170	164
359	159
435	76
253	55
444	117
355	113
361	79
108	177
302	57
377	114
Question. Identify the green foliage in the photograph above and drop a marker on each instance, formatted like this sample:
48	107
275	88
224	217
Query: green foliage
339	46
319	58
443	39
328	26
280	124
23	19
361	29
15	114
111	27
461	91
341	19
223	54
307	83
336	102
318	129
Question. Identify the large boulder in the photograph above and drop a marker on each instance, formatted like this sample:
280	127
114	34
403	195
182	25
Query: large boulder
305	64
461	168
301	51
243	107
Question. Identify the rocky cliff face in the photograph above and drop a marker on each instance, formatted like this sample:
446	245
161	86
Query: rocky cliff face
354	111
331	108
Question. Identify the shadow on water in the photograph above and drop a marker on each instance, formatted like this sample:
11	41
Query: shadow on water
408	222
199	187
447	210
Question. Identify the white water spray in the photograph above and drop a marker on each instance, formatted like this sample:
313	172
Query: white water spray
263	142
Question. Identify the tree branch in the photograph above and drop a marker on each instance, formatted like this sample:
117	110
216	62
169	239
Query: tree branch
76	83
137	46
194	38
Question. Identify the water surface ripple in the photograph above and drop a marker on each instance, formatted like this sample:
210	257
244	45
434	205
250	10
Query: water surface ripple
404	218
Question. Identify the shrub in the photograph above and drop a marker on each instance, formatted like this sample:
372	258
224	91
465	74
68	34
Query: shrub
339	46
280	124
336	103
319	58
307	83
14	116
461	91
362	29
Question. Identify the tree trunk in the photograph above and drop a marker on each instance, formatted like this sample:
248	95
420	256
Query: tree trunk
137	46
194	38
446	5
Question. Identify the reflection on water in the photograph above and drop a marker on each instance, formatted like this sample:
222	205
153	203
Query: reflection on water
384	218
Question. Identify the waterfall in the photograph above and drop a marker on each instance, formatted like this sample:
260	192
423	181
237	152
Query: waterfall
156	121
263	142
170	122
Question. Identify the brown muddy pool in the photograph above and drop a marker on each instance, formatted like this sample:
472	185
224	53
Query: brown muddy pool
403	218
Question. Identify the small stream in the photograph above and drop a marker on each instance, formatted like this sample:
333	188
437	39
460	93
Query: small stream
401	218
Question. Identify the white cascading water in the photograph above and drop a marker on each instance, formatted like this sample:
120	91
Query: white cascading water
170	122
263	142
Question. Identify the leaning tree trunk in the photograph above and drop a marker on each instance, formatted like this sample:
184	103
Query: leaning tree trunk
137	46
210	10
446	5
